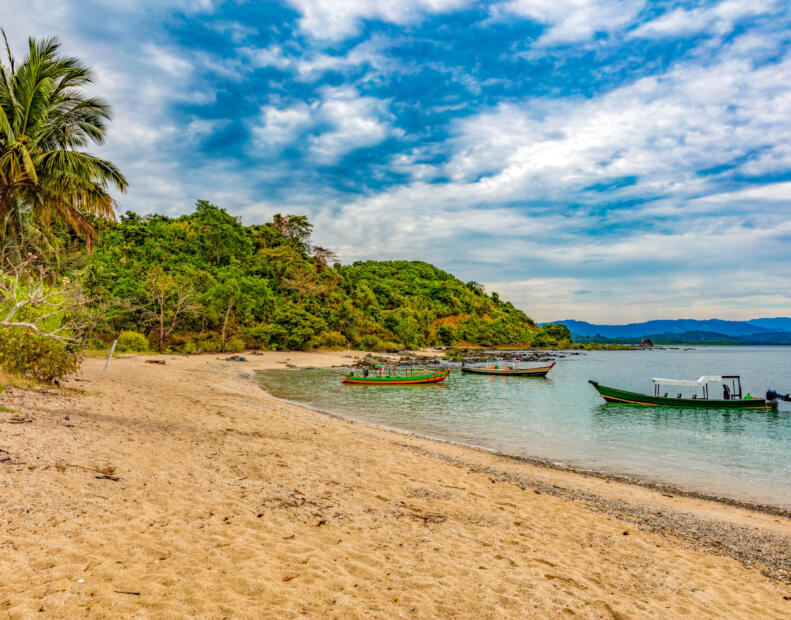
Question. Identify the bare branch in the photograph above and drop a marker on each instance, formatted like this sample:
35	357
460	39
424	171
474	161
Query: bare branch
28	303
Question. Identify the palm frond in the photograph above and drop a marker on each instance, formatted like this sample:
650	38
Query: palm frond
46	118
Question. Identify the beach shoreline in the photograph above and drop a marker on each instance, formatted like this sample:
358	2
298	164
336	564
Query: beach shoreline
658	485
202	460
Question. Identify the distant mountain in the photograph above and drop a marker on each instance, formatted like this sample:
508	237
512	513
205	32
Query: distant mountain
778	324
697	338
583	329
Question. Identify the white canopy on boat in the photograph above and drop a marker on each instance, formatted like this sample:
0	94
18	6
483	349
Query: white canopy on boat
701	381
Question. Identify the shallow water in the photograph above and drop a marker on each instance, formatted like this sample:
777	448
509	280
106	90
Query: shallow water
741	454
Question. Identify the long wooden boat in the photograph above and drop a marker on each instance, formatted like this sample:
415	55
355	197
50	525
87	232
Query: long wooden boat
614	395
509	371
418	377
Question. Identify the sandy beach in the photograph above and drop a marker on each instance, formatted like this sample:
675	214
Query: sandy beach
184	490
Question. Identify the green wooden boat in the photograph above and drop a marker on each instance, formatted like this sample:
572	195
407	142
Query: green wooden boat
397	376
614	395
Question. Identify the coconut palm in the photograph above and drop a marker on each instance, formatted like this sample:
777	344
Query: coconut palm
46	118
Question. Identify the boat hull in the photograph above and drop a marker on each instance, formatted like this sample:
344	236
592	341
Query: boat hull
614	395
434	377
517	372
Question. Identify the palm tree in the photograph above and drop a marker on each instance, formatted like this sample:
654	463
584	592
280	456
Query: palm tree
45	120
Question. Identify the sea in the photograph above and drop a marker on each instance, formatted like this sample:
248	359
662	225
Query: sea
743	455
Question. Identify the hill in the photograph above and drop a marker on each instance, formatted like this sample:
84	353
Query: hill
206	282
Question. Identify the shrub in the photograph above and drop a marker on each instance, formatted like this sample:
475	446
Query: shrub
446	335
259	335
235	345
370	343
190	348
210	344
332	339
132	341
26	353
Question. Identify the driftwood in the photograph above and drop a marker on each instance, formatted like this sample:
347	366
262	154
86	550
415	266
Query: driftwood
155	362
106	471
110	357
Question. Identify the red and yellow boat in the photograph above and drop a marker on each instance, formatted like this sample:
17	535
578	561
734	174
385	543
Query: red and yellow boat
396	376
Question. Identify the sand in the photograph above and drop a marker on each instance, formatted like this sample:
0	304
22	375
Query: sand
183	490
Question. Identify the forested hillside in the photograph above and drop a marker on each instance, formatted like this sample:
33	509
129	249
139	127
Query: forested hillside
205	282
72	276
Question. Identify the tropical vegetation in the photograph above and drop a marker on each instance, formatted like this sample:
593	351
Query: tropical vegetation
206	282
72	276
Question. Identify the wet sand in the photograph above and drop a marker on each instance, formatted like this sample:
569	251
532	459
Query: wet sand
184	490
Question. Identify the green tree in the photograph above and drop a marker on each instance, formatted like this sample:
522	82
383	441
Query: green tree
295	228
45	120
222	236
168	298
233	296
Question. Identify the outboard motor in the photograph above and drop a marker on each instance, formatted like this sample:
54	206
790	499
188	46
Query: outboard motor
772	395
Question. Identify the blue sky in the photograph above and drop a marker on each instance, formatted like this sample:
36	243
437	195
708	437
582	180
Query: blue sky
605	160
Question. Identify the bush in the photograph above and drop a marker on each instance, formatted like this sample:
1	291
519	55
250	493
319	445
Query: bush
235	345
24	352
190	348
446	335
132	341
211	344
332	339
370	343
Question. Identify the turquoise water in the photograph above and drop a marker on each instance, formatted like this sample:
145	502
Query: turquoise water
741	454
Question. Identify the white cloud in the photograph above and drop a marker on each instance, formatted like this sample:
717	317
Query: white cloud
310	65
719	18
340	122
337	19
355	122
570	21
660	130
281	127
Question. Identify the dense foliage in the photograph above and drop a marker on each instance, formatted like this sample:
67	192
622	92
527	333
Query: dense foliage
29	354
205	282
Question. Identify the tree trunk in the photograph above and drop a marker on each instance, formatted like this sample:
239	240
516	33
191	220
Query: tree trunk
225	325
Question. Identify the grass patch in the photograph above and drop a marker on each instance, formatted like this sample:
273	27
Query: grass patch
96	353
8	379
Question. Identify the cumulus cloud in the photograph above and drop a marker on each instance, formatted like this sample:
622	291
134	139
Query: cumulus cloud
330	127
337	19
309	65
659	133
569	21
718	18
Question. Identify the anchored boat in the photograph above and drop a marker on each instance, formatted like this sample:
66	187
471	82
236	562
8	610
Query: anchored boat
508	371
731	386
396	376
